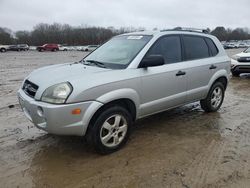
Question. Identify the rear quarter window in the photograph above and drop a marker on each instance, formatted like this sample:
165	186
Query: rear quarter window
213	49
195	47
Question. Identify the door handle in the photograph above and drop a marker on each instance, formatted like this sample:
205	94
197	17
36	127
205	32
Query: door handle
212	67
180	73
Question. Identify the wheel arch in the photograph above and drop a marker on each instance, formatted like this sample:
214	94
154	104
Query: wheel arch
223	80
221	76
126	97
128	104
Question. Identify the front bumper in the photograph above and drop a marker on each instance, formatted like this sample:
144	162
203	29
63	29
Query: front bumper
58	119
241	67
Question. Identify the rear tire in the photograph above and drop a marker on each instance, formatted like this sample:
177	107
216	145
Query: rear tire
111	129
3	50
214	99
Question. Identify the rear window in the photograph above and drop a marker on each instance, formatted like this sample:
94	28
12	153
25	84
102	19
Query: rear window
213	49
195	48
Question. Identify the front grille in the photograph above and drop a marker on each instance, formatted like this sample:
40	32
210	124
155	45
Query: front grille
30	88
244	67
244	59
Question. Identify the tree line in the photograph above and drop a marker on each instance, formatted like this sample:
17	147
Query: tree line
66	34
224	34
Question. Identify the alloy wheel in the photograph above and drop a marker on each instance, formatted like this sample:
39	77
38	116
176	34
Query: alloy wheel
113	130
216	97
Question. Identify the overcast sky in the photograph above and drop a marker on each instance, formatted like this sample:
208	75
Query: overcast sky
24	14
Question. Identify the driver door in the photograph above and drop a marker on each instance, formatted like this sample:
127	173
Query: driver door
164	86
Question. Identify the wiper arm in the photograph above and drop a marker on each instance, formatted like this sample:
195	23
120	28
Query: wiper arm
81	61
97	63
76	62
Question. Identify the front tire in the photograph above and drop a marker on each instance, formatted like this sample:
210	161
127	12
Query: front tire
214	99
111	130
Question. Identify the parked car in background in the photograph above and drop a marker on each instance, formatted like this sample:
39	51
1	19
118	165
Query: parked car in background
48	47
240	63
63	48
131	76
242	45
89	48
80	48
229	45
32	47
72	48
19	47
4	48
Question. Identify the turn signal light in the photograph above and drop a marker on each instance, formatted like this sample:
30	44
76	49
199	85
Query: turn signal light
76	111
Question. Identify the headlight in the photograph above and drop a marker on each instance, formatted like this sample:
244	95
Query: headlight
57	93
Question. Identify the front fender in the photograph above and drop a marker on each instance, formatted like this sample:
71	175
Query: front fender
125	93
88	114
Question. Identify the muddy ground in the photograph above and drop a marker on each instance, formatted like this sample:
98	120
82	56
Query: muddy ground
184	147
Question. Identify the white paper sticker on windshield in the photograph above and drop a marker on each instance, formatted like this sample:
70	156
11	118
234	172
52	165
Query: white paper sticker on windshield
134	37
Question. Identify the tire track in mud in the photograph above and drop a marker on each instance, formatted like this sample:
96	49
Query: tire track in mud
223	162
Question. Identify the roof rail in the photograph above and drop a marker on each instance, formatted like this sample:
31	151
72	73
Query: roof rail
190	29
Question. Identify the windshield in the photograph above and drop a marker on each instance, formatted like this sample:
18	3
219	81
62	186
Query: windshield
247	50
118	52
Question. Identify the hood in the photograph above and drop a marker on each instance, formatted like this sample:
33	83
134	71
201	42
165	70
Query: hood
51	75
243	54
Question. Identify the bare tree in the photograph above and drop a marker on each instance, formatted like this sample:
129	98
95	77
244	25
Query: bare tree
228	34
5	36
84	35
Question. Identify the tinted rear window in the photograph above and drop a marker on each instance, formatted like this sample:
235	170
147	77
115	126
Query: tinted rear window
195	47
213	48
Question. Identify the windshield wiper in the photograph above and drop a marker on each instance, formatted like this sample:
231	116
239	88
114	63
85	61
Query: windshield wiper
97	63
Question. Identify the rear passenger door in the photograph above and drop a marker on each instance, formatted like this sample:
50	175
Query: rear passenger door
197	56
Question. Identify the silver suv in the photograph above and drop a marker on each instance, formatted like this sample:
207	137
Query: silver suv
129	77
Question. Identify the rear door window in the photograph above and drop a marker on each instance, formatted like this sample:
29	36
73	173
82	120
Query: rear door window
195	47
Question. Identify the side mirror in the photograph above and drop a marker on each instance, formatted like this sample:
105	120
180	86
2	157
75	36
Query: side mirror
152	61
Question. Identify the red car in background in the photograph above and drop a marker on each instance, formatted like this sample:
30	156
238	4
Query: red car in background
48	47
